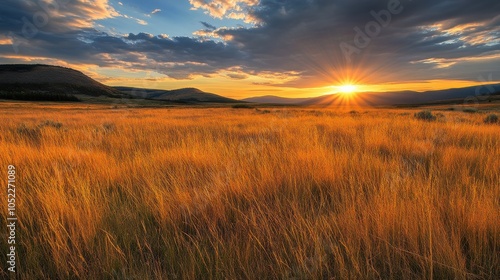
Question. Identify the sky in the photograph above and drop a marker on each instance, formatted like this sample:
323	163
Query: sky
244	48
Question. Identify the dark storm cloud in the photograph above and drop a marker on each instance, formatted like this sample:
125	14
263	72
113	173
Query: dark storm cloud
208	25
306	35
420	41
29	16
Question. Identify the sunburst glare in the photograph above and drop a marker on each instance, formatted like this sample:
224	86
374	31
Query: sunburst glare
347	89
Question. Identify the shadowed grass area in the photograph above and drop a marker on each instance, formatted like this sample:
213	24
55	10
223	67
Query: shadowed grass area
237	194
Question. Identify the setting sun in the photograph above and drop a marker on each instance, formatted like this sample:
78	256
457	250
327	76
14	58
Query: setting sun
347	89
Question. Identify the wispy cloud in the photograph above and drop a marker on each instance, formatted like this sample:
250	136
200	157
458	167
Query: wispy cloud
141	22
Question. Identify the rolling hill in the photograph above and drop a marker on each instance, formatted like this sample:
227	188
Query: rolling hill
184	95
38	82
47	82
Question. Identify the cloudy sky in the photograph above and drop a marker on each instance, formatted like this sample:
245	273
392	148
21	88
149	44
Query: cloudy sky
241	48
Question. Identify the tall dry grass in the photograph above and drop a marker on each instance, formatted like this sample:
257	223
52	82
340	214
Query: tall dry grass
246	194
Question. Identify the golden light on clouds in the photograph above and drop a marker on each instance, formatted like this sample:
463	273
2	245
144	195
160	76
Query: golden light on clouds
5	41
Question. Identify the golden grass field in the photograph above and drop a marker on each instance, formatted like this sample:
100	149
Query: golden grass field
276	193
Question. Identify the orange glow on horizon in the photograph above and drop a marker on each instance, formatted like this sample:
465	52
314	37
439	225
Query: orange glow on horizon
255	85
348	81
246	88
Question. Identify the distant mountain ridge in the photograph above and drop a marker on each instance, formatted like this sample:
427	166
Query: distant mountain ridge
387	98
185	95
40	82
276	100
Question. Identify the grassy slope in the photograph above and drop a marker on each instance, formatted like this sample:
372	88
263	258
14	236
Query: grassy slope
226	193
49	83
